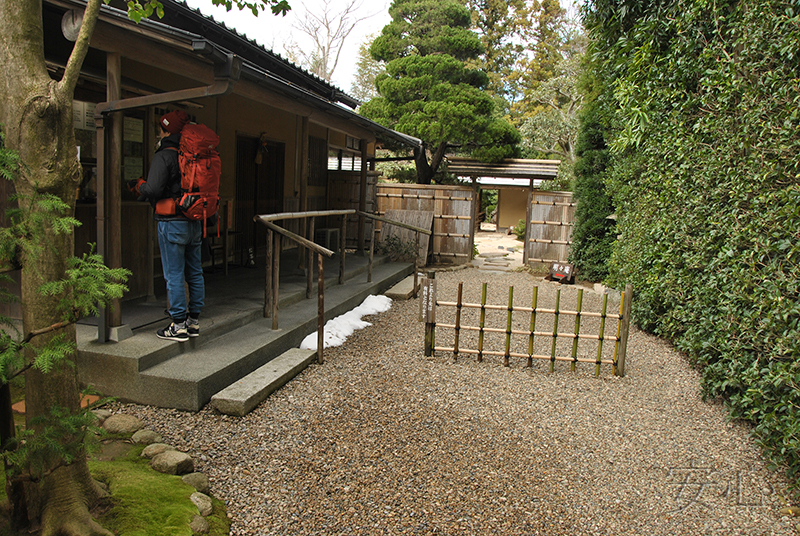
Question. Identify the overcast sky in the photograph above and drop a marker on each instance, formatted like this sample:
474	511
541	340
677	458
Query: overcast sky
273	31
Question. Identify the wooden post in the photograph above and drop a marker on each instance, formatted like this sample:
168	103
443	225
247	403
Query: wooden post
458	320
113	191
601	335
482	324
428	305
320	308
276	271
508	326
577	331
268	278
416	266
362	197
371	254
555	332
310	263
534	303
342	243
625	323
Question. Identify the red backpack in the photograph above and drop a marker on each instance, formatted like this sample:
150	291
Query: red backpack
200	171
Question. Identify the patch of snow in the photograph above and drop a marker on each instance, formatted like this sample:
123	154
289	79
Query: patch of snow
338	329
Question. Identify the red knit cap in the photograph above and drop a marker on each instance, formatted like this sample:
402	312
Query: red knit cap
174	121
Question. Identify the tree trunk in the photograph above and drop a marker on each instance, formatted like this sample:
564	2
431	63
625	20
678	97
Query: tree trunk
424	172
37	119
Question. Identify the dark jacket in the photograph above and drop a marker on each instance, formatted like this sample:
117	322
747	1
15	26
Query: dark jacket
164	178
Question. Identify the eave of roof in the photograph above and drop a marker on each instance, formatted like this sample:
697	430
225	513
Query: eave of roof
510	168
256	73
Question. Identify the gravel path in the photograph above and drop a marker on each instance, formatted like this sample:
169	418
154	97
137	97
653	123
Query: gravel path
382	440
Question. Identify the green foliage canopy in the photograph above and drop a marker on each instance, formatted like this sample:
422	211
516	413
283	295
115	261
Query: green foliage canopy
428	91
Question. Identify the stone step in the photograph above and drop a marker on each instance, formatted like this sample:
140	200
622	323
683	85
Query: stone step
404	290
241	397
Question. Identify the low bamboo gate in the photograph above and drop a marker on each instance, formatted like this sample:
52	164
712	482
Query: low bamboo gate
536	337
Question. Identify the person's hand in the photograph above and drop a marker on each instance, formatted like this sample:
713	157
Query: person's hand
134	186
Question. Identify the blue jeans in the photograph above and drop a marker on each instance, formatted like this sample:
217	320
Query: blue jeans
180	243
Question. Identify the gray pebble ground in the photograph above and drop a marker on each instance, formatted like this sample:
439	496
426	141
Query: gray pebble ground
382	440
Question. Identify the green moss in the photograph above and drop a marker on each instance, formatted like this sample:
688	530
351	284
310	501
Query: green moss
144	502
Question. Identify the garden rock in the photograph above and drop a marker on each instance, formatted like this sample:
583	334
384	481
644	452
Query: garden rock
203	503
101	415
173	462
154	449
146	437
122	424
199	525
198	481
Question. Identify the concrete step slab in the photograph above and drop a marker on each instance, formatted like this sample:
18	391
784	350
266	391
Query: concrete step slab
239	398
403	290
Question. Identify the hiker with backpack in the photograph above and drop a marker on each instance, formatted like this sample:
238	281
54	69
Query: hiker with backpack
181	208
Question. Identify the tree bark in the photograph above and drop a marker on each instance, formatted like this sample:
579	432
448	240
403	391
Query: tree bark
424	172
37	120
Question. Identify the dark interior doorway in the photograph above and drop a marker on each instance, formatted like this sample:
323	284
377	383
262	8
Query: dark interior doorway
259	190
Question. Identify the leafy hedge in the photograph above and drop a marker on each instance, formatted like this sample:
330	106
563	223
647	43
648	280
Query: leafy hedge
704	98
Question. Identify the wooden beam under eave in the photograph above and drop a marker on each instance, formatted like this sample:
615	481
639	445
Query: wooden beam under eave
163	55
342	125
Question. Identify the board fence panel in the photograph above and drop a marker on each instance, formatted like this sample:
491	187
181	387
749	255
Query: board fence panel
549	230
454	216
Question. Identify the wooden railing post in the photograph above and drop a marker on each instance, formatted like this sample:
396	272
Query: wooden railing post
268	277
342	243
371	254
320	308
310	263
276	270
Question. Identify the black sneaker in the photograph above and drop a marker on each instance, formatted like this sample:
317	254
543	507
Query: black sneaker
193	327
173	332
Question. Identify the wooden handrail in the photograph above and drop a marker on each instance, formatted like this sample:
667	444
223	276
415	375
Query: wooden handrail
298	215
299	239
398	223
271	294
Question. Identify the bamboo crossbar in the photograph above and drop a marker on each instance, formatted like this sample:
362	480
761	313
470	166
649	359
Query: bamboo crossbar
403	196
554	203
517	354
548	241
451	217
537	259
586	336
524	309
451	235
545	222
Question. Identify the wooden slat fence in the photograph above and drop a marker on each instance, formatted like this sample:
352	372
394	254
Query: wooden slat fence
453	221
549	230
511	331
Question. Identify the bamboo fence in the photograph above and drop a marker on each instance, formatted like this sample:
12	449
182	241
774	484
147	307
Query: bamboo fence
555	334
